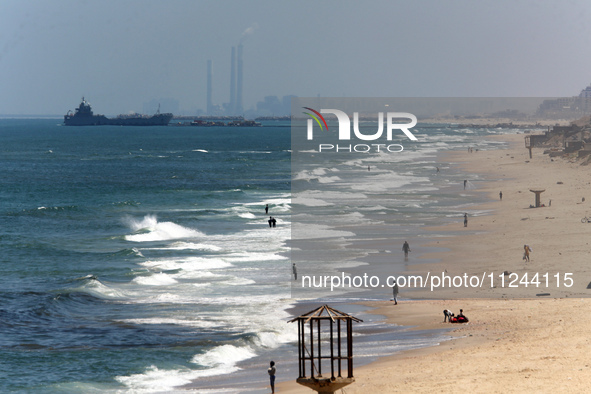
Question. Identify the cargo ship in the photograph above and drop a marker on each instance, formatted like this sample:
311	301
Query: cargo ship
83	116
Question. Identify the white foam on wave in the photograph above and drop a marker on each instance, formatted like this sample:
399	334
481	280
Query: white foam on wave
253	256
99	290
187	264
238	282
199	275
311	202
159	279
200	150
330	195
328	179
220	360
155	380
247	215
387	181
316	173
152	230
223	359
279	204
179	322
180	245
270	332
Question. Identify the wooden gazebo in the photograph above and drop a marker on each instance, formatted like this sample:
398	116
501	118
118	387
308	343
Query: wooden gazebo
335	355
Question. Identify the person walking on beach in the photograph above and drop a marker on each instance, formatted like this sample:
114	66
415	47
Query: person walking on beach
501	196
266	209
271	371
465	220
295	271
395	292
465	181
526	250
405	249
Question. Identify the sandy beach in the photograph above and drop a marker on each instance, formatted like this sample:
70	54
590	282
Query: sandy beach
525	338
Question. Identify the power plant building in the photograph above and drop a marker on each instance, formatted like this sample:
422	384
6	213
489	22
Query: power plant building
235	105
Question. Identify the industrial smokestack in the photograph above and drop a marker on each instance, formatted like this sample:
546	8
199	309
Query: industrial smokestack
232	107
239	90
209	87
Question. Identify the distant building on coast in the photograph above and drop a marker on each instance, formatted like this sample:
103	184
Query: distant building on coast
586	92
567	107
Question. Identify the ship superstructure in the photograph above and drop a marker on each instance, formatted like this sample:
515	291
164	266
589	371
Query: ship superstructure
83	116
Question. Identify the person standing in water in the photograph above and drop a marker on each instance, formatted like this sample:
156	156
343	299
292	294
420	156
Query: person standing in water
405	249
465	220
266	209
295	271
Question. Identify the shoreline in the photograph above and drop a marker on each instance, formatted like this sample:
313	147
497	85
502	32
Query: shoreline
508	323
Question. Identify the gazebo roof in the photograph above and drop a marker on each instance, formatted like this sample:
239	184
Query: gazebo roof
325	312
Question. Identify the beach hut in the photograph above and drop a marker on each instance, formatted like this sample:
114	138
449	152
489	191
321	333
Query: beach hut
325	346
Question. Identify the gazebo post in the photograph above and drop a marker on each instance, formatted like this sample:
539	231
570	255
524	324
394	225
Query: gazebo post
349	349
339	346
311	348
331	351
299	351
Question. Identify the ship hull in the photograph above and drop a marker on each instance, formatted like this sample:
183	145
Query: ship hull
100	120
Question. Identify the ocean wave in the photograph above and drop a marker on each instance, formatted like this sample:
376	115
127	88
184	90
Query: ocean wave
220	360
328	179
95	288
150	229
187	264
224	356
199	323
279	204
311	202
160	279
237	282
247	215
180	245
253	256
128	252
157	380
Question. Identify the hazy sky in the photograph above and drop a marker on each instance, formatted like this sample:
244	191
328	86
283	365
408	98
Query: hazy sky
120	54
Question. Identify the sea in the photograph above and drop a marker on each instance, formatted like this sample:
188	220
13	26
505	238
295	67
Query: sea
140	259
